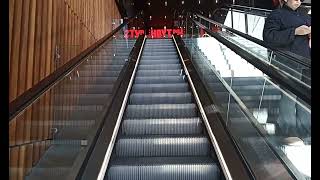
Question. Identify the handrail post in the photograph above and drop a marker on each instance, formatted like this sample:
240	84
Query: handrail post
246	21
231	18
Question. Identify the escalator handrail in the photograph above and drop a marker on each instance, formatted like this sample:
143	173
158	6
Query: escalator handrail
295	86
31	95
262	14
294	57
247	8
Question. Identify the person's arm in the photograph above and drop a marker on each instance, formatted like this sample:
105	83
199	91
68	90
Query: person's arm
273	34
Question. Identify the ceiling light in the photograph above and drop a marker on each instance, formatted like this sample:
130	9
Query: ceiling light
165	3
182	2
199	1
149	3
165	17
150	17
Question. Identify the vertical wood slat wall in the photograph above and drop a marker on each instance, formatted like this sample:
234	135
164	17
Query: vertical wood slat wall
36	28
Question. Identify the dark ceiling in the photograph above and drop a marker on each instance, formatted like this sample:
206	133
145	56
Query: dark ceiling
160	13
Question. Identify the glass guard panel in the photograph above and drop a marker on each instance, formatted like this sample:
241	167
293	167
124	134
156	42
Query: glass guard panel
54	133
269	125
255	28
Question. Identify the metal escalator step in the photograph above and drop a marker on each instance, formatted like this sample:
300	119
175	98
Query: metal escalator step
160	168
159	50
158	72
161	111
157	62
154	58
159	79
160	59
162	146
158	45
159	53
160	98
160	67
160	88
161	126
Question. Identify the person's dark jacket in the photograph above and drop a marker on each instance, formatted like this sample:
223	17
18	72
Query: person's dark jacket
279	31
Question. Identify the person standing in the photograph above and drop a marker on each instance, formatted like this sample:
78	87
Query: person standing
287	29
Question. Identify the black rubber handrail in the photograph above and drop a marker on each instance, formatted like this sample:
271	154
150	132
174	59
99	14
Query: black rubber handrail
29	96
299	59
295	86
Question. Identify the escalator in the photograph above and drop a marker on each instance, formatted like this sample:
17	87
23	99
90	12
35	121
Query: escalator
182	118
162	135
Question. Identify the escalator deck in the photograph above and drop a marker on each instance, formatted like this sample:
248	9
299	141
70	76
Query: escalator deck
162	135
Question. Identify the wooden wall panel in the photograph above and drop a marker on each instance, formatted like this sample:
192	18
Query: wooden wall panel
36	29
36	68
11	15
14	56
31	43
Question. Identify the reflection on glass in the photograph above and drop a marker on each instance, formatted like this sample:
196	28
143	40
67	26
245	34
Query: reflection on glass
55	131
247	96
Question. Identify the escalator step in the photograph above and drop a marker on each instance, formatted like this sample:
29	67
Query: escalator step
161	111
160	61
159	53
162	146
159	80
158	73
160	67
160	98
155	58
161	126
160	88
168	168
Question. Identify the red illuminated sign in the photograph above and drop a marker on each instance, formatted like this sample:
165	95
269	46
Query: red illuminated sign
153	33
